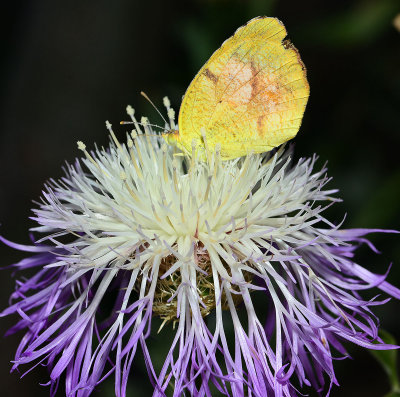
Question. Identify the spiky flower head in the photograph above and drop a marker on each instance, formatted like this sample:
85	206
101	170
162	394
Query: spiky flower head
137	231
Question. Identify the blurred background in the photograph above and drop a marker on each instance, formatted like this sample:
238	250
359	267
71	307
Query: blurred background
68	66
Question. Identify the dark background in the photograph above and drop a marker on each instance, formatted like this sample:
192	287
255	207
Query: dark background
69	66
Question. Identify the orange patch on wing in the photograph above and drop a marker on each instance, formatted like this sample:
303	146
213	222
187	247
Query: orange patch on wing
247	84
236	80
268	90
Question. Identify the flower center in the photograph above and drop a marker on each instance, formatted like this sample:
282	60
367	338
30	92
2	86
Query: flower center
165	302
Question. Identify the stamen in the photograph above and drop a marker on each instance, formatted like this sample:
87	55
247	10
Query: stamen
82	146
181	209
138	170
227	196
174	166
153	208
114	138
131	192
145	123
131	113
217	157
170	112
203	134
130	110
165	321
246	195
139	153
193	158
196	233
208	188
244	169
218	207
165	171
171	116
166	102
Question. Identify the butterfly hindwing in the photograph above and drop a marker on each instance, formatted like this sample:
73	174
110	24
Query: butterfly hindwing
249	96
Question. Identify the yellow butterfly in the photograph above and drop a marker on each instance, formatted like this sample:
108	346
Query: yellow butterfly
249	96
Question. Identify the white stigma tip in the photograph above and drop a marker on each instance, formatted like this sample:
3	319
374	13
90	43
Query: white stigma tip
130	110
133	134
144	120
108	125
122	175
81	145
171	113
130	143
166	102
194	143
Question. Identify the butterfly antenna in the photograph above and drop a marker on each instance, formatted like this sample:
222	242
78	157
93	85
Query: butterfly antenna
154	106
143	124
151	125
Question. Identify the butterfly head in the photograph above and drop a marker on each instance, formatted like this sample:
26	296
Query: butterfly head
172	137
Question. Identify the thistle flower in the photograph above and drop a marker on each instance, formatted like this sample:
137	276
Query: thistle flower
169	236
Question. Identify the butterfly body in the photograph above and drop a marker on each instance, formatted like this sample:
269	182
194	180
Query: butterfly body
250	96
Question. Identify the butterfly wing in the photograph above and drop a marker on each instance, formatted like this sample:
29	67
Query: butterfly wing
249	96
